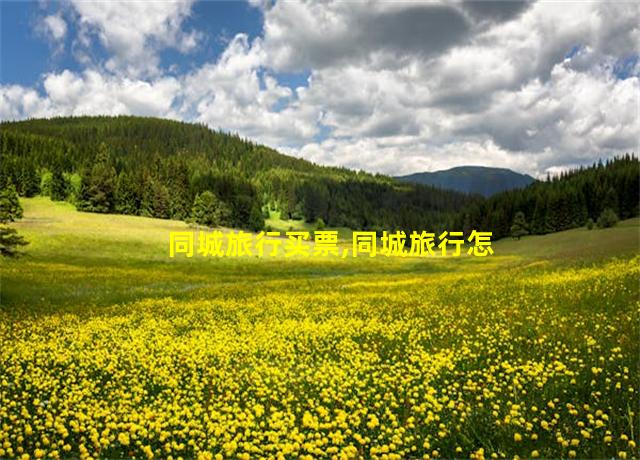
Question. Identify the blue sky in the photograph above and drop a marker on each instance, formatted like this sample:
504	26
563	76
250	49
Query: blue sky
383	86
26	54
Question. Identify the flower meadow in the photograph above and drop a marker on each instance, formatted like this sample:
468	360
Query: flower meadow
530	360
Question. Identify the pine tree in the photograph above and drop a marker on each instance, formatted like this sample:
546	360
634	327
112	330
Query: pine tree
519	227
59	185
127	199
160	201
29	180
10	210
97	190
539	216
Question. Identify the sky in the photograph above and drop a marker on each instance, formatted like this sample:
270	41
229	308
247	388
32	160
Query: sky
390	87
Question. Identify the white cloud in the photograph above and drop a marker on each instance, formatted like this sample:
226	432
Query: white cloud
404	155
90	93
504	96
236	94
55	25
300	35
399	86
134	32
18	102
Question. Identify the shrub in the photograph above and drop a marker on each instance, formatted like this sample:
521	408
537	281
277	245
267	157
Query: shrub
608	218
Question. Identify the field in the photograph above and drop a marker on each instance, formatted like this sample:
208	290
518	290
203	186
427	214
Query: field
112	349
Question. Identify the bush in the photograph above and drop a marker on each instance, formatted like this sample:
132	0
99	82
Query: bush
590	224
608	218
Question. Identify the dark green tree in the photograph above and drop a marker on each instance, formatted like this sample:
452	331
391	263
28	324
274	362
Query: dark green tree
127	196
209	210
59	185
29	181
10	210
97	191
519	227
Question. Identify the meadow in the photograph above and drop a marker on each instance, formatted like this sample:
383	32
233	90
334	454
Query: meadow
111	349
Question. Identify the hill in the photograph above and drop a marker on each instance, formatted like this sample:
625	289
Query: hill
160	168
569	200
173	170
482	180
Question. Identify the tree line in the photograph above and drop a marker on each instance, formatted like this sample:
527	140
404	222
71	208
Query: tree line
169	169
569	200
175	170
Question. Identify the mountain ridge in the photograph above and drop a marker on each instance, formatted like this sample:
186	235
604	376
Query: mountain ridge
481	180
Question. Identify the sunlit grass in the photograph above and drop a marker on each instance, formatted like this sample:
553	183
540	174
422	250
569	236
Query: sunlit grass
111	349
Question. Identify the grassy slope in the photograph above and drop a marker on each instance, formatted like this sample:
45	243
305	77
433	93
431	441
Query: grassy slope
525	324
78	260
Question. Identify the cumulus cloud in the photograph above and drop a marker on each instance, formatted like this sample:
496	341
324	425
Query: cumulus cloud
393	87
316	35
134	32
532	87
55	26
90	93
235	94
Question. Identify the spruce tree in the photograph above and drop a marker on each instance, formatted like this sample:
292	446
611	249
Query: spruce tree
97	190
59	185
10	210
519	227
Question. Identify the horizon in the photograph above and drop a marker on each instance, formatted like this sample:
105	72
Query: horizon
393	88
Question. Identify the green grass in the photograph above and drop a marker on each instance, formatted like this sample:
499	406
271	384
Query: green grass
284	225
79	260
531	351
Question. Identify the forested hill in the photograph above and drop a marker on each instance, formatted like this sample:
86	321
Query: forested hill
604	191
472	179
171	169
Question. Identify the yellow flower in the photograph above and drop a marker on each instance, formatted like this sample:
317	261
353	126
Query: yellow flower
123	438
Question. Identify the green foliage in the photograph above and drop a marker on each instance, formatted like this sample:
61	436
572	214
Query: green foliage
127	195
210	210
590	223
153	167
608	218
59	188
519	227
188	159
10	241
45	183
563	202
256	219
10	210
73	182
97	189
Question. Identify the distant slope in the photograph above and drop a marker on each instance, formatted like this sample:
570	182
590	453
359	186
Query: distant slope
158	168
472	179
